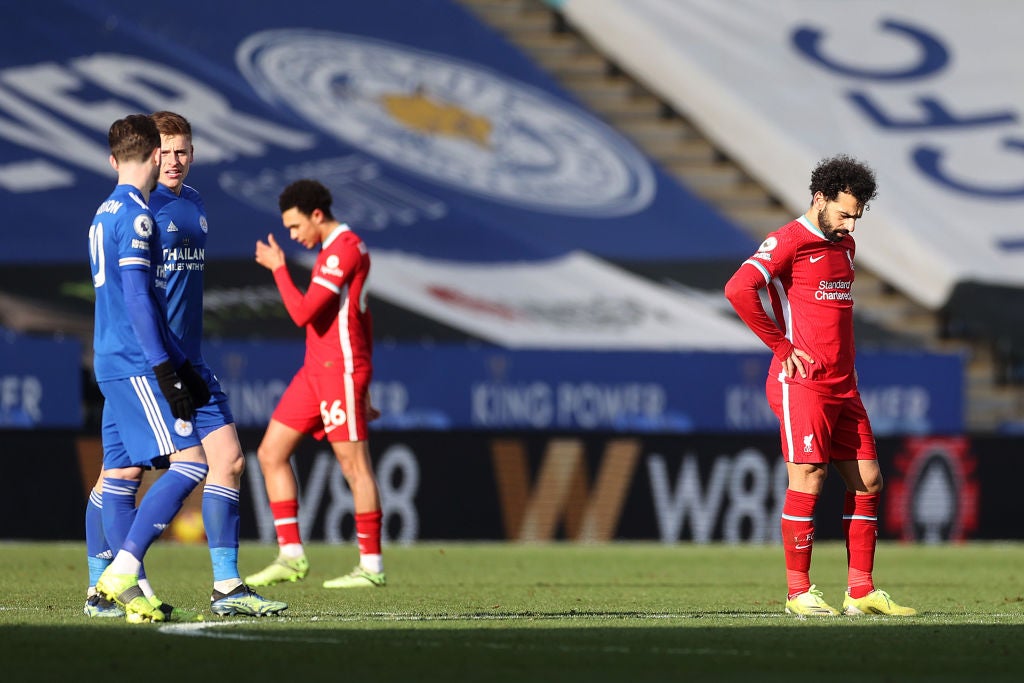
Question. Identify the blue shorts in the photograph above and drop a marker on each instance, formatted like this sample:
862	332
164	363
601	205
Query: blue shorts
138	427
216	413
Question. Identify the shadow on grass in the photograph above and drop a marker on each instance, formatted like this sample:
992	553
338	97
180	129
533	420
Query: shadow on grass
531	649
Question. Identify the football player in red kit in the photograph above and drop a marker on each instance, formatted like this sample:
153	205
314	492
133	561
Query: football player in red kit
807	268
329	396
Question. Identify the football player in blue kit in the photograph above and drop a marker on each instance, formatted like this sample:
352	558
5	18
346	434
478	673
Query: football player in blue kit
182	224
181	218
150	388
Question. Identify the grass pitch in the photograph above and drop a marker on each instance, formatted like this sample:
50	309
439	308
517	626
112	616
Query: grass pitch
505	612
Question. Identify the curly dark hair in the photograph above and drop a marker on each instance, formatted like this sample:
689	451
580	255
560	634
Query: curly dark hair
843	173
306	195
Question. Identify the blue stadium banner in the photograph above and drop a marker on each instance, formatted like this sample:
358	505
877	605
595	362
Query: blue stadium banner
435	135
40	382
456	387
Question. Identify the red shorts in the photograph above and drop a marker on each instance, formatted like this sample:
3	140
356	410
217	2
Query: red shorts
817	427
326	404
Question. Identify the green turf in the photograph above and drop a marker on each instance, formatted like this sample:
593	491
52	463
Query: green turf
495	612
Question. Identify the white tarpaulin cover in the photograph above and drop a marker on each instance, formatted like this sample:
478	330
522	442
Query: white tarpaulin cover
931	94
573	301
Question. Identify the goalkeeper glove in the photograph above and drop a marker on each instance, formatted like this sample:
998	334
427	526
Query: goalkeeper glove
173	389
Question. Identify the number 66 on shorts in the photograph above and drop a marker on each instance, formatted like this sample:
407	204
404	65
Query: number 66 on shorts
331	404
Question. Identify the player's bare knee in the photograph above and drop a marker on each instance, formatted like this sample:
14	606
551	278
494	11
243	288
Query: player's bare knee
125	473
227	466
234	465
192	454
807	477
355	469
349	469
269	457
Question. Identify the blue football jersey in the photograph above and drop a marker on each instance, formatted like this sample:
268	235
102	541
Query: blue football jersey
121	236
182	224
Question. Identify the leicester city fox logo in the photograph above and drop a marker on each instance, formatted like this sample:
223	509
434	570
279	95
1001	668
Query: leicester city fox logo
183	428
450	122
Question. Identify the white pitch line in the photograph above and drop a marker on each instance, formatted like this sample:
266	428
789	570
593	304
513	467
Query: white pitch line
392	617
214	630
219	629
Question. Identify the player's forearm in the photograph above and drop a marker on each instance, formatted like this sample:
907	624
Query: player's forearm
291	297
742	293
302	308
147	320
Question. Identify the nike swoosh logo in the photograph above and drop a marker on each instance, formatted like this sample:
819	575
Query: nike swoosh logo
803	547
815	260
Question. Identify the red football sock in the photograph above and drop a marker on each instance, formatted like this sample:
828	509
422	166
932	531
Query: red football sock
860	521
286	521
368	532
797	539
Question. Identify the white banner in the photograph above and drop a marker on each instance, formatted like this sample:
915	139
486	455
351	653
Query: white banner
929	93
572	302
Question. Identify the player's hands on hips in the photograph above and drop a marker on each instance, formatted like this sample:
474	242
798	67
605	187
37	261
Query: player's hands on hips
795	363
173	389
269	254
195	385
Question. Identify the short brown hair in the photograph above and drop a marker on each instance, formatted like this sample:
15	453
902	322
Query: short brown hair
133	138
169	123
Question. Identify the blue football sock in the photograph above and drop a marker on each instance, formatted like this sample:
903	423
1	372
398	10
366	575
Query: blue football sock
118	509
161	503
97	549
121	512
221	520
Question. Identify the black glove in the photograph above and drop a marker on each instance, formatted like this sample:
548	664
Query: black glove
173	389
195	384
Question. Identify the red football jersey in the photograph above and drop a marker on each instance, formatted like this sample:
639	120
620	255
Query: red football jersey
339	329
809	281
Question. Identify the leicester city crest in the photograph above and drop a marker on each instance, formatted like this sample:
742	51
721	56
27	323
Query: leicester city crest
450	122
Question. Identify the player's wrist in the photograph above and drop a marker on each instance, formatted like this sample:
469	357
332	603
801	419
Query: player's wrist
164	370
783	349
